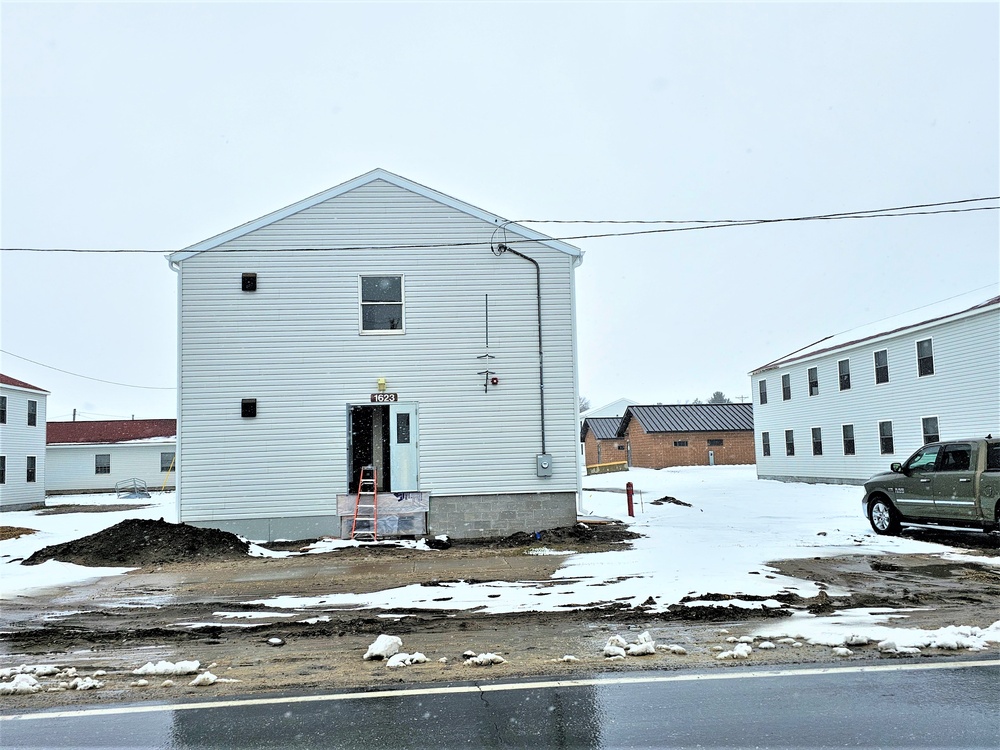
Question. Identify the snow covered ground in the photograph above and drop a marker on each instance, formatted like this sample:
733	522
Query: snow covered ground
720	544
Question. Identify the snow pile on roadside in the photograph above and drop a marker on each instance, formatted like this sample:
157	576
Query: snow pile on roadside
404	660
168	668
618	648
384	647
859	627
484	660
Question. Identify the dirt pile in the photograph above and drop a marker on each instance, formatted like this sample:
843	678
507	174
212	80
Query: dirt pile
580	536
139	542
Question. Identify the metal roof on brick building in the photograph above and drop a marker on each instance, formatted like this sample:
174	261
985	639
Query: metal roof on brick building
690	418
109	431
604	428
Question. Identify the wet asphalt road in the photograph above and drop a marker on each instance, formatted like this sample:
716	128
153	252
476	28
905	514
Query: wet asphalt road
895	705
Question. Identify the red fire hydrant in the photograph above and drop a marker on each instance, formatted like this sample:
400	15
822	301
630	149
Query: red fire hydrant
628	494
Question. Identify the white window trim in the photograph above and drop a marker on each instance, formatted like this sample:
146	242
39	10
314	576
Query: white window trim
878	434
854	437
888	374
402	303
839	382
812	440
930	416
916	356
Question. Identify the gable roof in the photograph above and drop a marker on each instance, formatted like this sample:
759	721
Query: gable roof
970	303
614	409
604	428
393	179
109	431
14	383
690	418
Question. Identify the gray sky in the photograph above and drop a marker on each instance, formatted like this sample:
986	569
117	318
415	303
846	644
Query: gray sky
156	126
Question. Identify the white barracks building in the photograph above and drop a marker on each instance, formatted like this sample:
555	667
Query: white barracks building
844	408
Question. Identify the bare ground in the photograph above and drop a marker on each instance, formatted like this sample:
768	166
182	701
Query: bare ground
118	624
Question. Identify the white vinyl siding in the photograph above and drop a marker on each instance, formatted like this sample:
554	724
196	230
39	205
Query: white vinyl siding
294	345
19	440
964	394
71	466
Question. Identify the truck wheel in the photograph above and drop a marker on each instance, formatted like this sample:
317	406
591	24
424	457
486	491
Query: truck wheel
883	516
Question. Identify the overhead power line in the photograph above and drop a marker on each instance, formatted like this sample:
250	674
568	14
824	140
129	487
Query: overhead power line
697	225
87	377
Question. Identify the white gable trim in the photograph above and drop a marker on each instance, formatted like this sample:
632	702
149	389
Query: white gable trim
393	179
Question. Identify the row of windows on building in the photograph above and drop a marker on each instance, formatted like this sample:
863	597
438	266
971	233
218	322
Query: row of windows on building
929	428
32	412
102	465
925	367
711	442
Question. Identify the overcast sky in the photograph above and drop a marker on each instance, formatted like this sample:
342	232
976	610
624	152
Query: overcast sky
145	126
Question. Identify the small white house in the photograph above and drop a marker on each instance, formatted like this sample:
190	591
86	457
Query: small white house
844	408
96	456
379	323
22	445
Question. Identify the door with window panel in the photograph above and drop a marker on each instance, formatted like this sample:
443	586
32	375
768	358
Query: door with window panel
403	458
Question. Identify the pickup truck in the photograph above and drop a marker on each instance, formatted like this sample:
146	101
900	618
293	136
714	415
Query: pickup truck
951	483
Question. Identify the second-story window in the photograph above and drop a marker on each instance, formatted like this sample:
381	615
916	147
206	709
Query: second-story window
925	358
882	366
762	387
844	371
3	410
786	387
381	304
813	381
32	413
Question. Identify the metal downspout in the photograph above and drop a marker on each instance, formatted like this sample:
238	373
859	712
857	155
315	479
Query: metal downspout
499	250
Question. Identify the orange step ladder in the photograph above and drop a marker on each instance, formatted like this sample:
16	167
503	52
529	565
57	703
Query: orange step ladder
364	528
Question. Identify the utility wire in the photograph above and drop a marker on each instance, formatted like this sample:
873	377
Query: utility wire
878	213
87	377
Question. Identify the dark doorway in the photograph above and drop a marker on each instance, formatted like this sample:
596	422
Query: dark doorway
370	444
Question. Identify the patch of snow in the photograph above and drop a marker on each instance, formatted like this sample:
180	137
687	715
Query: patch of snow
485	660
383	647
166	667
740	651
404	660
22	684
842	651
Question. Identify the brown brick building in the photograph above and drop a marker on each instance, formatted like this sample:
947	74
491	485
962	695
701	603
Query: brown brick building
601	444
687	435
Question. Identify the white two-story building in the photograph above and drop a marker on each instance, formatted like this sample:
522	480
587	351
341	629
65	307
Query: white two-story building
379	323
22	444
844	408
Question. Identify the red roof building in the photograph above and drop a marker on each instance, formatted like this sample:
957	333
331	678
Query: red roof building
110	431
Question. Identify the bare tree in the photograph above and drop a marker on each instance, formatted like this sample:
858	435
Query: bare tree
584	403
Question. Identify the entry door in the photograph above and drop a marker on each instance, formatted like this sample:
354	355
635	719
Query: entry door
403	435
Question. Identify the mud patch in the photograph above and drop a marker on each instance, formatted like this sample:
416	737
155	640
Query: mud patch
580	536
13	532
139	542
671	500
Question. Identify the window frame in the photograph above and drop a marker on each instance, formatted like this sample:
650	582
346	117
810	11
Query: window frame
789	442
31	469
937	430
362	331
3	410
32	413
3	469
916	347
762	391
102	467
883	368
817	441
844	378
882	438
765	443
173	458
715	442
812	377
680	443
845	439
786	387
